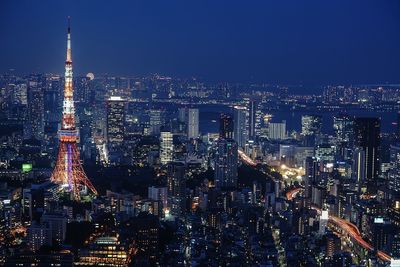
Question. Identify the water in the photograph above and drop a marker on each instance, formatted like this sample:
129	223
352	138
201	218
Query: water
209	118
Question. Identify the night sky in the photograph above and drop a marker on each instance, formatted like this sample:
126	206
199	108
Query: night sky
278	41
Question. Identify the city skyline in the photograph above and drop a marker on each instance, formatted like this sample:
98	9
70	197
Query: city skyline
157	170
297	43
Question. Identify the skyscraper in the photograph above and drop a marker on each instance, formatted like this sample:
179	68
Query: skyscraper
310	128
193	123
367	138
115	120
226	126
277	130
311	124
166	147
252	119
239	125
226	163
394	173
176	185
343	126
35	110
68	171
359	170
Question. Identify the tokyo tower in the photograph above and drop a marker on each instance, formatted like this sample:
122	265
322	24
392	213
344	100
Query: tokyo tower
68	171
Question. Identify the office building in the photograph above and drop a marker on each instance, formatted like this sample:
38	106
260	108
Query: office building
277	130
166	147
192	123
252	107
176	186
226	163
394	172
367	138
343	127
115	120
226	126
311	125
240	133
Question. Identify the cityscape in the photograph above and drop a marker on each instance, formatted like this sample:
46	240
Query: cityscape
101	169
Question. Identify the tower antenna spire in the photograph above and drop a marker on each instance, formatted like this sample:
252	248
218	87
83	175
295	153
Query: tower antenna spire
69	54
68	171
69	24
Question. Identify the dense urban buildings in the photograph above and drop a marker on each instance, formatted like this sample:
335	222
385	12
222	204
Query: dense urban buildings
158	170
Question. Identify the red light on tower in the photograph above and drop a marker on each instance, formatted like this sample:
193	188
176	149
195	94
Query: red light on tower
68	171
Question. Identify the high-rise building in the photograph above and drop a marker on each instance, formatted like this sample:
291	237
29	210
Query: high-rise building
176	184
115	120
193	123
159	193
147	236
156	120
57	224
166	147
311	124
343	127
226	126
359	167
182	114
367	138
226	163
310	128
38	236
35	111
277	130
68	171
252	119
325	153
20	94
382	231
394	173
239	126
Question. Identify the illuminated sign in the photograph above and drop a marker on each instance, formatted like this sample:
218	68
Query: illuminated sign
26	167
378	220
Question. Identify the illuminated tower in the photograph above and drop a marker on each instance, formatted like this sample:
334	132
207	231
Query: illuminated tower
68	170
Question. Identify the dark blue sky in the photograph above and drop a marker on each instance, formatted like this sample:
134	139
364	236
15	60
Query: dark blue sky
285	41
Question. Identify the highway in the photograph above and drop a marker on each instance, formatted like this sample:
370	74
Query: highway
292	193
246	159
346	226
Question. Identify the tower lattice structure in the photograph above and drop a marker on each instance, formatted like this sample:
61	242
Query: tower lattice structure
68	171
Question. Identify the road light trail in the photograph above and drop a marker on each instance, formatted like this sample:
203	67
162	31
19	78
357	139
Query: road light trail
355	233
348	227
290	195
246	158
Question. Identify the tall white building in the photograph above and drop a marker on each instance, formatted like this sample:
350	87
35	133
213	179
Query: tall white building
166	147
239	126
277	130
193	123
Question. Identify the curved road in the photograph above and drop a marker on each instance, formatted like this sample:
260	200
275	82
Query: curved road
346	226
246	158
